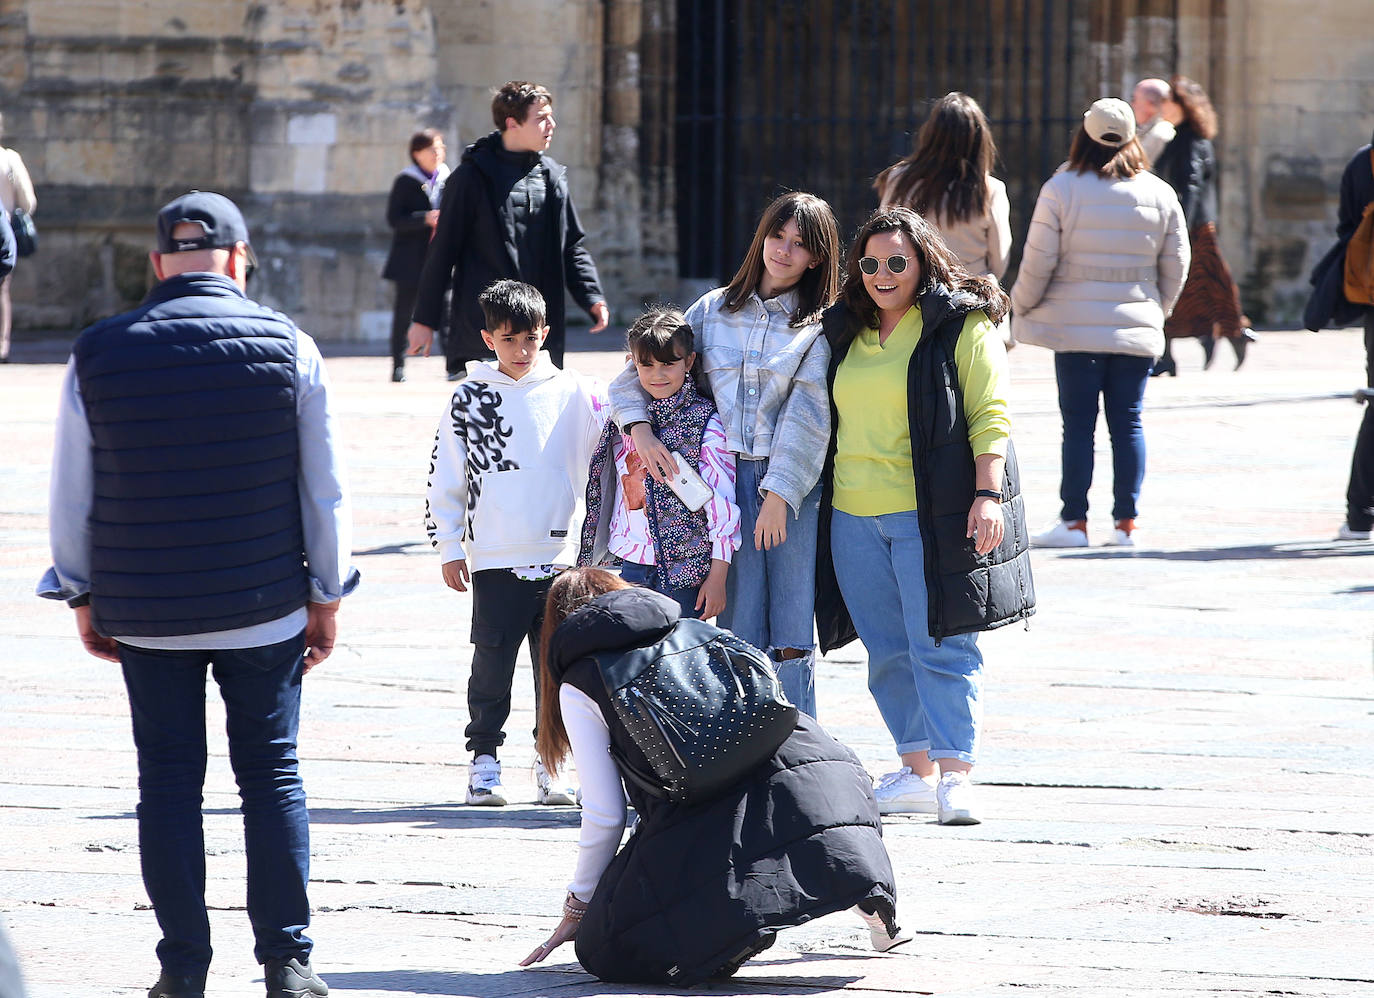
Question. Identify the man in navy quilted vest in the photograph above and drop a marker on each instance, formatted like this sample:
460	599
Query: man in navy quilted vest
200	519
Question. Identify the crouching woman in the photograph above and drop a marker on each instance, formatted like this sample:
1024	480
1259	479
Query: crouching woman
701	887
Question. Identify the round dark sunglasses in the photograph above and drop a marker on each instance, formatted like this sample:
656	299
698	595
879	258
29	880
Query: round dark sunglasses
895	264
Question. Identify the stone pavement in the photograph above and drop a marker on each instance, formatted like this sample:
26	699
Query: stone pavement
1177	769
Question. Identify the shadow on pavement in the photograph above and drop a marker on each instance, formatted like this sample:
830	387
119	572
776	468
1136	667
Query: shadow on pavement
450	816
453	982
1246	552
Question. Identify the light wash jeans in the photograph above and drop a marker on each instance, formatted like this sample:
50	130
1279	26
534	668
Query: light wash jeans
929	695
770	596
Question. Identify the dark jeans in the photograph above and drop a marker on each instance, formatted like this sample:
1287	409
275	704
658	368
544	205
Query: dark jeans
400	321
647	576
261	688
1359	495
1120	380
506	611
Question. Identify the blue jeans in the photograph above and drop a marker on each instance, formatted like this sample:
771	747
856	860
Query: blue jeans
929	694
261	688
1120	379
770	596
647	576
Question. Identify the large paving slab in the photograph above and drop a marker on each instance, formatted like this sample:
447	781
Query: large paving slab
1177	767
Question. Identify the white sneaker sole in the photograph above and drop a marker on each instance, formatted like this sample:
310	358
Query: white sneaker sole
907	807
486	800
556	798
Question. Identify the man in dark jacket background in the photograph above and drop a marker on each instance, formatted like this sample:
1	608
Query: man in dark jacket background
199	517
506	213
1357	190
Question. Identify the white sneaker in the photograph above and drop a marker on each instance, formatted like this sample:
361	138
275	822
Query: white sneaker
1346	534
1064	534
484	782
956	800
547	792
903	792
878	934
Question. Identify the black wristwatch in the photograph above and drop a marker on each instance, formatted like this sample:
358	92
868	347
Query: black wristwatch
988	494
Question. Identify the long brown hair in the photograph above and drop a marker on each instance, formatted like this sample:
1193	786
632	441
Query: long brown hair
946	174
570	592
1196	105
938	266
1121	162
820	234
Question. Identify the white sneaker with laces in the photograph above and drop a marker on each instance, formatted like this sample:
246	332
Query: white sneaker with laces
1064	534
903	792
957	805
547	792
1347	534
484	782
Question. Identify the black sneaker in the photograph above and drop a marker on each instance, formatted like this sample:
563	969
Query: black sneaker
290	978
176	986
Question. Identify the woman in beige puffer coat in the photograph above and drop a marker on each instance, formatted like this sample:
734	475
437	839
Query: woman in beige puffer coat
1104	262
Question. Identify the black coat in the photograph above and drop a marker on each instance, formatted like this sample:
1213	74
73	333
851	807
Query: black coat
1328	306
700	887
471	249
965	591
405	213
1189	165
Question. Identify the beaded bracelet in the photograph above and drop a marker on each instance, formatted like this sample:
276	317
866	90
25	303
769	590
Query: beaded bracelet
569	911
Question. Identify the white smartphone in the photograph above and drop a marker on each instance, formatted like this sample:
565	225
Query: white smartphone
688	485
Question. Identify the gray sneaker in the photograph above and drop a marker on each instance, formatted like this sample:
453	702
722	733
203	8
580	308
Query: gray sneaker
290	978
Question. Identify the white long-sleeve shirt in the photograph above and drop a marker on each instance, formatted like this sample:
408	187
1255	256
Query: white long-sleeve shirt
603	795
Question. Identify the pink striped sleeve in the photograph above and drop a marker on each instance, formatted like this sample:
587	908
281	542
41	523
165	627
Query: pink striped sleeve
717	468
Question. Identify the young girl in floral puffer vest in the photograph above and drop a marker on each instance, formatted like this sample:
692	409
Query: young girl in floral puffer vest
662	544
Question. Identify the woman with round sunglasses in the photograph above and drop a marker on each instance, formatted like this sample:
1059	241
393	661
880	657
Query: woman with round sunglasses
922	540
1104	263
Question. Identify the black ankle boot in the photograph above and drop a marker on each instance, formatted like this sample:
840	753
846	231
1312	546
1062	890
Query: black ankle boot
1241	344
1165	365
176	986
1209	350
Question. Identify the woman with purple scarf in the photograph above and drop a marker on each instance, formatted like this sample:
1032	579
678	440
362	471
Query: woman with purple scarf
412	211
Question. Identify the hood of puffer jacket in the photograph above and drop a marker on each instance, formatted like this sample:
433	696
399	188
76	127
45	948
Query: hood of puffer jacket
623	619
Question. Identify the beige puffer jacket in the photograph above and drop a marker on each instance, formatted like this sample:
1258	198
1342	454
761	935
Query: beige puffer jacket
1104	263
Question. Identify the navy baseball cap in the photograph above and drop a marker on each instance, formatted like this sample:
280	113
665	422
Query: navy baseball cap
220	221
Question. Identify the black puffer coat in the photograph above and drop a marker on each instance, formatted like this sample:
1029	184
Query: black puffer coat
700	888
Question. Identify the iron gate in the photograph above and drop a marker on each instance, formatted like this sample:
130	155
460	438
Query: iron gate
821	95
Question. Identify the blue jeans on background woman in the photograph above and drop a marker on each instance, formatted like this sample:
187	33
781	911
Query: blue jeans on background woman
1120	380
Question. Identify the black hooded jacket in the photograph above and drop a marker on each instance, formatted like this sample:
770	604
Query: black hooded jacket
477	242
698	888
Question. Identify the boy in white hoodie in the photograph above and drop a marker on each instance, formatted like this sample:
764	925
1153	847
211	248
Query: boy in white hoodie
504	506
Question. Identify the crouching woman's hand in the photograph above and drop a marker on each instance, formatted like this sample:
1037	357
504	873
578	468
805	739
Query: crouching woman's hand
573	910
